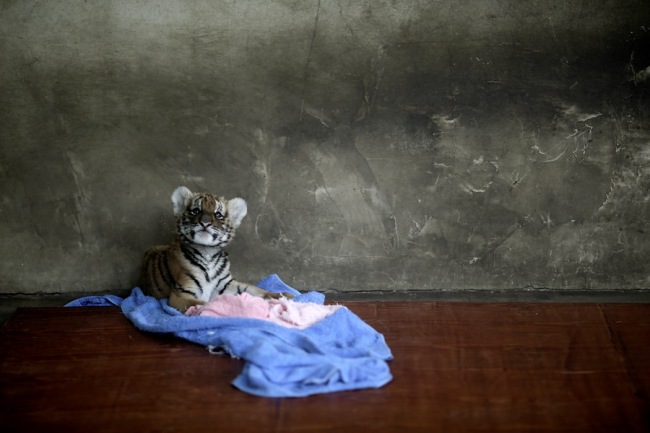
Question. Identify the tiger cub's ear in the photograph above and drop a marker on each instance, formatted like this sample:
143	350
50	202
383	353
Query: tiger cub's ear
237	210
179	199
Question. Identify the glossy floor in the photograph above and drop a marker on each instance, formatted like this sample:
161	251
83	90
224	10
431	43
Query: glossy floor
458	367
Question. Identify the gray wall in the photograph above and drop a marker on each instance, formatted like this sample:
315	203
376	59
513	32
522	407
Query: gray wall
381	145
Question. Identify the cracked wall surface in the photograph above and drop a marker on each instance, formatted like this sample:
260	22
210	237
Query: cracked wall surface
381	145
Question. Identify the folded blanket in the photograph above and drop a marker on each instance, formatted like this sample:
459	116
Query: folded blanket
339	352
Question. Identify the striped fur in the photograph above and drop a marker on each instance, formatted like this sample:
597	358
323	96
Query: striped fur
194	268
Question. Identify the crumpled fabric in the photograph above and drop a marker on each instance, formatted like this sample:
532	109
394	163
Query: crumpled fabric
340	352
283	311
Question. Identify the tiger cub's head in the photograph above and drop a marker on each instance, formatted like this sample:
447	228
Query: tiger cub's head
206	219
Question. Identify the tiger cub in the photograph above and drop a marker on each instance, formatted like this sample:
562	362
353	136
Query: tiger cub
194	268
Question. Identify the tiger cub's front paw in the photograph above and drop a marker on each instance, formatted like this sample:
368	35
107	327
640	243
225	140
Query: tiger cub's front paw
276	295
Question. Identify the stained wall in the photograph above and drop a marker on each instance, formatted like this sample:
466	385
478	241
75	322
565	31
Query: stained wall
380	145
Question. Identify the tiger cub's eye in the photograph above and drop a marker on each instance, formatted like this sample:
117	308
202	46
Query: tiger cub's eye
195	211
219	215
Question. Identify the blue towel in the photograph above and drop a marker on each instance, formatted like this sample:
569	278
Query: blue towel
341	352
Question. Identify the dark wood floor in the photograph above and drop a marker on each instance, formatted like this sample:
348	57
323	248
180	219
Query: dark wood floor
458	367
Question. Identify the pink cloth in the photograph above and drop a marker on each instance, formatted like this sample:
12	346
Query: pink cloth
281	311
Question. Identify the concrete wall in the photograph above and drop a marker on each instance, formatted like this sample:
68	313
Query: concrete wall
381	145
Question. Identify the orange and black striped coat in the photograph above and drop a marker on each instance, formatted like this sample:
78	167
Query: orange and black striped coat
194	268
